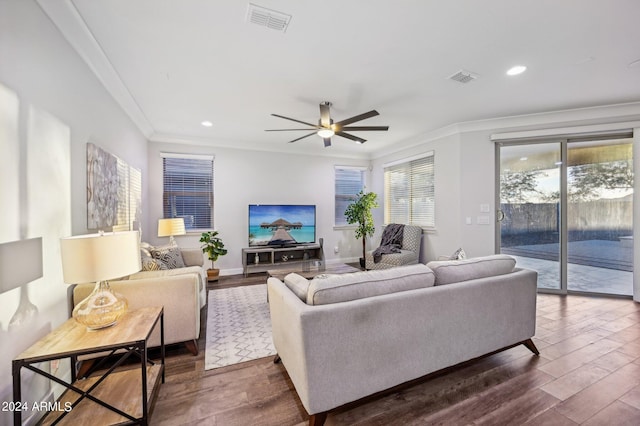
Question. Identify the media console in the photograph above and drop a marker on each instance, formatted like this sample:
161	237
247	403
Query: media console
263	258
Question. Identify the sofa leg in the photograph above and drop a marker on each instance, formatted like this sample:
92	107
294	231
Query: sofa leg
317	419
277	359
531	346
192	346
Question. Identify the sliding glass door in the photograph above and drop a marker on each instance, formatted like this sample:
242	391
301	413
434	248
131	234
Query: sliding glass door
529	215
566	211
600	216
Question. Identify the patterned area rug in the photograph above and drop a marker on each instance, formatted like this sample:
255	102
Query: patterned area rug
238	326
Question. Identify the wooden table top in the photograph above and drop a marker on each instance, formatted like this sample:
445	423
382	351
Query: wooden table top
73	338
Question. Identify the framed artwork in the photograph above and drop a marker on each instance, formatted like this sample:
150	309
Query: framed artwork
114	192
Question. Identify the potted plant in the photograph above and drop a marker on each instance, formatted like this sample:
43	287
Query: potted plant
214	248
359	212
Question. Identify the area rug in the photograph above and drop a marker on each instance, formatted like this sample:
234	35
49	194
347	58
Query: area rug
238	326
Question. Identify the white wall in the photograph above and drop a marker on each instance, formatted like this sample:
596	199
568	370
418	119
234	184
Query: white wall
465	172
51	105
244	177
445	238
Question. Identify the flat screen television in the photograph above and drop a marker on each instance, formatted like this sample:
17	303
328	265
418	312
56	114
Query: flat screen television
281	224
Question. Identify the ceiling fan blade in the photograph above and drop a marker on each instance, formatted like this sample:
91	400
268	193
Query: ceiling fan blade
284	130
302	137
325	116
362	128
359	117
352	137
327	142
297	121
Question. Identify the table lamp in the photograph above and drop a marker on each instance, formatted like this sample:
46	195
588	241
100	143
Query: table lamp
171	227
98	258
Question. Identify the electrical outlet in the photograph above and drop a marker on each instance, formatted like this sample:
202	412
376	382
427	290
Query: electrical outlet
336	249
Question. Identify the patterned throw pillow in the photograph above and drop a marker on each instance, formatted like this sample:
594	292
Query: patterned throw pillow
458	255
151	264
169	255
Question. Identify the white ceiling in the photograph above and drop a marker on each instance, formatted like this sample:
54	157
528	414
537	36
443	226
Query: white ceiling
172	64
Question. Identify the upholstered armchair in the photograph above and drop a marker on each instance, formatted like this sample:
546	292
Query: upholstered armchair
409	252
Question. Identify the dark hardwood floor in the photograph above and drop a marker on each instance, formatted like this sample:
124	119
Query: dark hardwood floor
588	372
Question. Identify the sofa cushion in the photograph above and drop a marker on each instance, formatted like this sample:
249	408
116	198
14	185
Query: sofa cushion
169	255
452	271
327	288
297	284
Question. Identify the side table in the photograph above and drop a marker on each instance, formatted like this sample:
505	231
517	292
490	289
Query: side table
117	396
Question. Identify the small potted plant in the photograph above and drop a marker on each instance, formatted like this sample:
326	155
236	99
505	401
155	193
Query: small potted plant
214	248
359	212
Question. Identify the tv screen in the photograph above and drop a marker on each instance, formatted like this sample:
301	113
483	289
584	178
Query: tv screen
281	224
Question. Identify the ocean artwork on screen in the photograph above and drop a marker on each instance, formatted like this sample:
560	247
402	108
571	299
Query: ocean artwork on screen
281	224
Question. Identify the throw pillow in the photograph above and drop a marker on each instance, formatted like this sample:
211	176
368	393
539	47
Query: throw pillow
458	254
169	255
298	284
151	264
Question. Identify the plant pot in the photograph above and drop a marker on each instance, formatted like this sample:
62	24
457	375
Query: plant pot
212	274
363	264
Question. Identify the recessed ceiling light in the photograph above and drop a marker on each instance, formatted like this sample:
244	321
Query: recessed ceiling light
207	123
518	69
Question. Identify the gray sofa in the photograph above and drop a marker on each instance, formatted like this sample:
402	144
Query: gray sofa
344	337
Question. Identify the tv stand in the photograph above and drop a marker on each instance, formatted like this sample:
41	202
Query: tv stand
273	257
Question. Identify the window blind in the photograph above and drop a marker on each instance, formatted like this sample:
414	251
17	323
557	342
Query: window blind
348	182
188	190
410	192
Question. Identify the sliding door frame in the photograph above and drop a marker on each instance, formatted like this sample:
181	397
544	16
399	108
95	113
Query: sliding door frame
564	142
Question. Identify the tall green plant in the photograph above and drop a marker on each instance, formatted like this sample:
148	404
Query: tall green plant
213	246
359	212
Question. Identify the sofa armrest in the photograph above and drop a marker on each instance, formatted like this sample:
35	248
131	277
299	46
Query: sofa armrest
192	256
179	294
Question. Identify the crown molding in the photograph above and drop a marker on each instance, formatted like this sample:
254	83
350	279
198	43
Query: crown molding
611	115
69	22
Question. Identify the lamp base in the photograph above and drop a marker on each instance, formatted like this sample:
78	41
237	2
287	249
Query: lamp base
102	308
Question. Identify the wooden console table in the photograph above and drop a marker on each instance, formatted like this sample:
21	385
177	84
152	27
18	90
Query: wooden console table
124	396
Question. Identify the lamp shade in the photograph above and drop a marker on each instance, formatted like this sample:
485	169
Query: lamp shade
20	263
171	227
98	257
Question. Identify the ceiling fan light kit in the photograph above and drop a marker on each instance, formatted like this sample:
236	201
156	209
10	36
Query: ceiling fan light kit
326	128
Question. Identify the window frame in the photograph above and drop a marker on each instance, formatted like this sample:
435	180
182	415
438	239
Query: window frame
412	167
363	171
199	192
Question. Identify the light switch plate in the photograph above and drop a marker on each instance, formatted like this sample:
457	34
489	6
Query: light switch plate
483	220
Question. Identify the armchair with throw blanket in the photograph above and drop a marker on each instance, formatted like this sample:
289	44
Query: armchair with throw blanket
400	245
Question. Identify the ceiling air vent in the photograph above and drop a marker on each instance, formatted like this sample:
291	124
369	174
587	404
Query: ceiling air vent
463	76
268	18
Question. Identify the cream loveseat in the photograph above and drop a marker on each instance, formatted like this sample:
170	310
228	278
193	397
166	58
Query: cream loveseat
181	290
344	337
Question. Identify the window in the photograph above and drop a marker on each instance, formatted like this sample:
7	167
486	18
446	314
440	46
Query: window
409	191
188	189
349	181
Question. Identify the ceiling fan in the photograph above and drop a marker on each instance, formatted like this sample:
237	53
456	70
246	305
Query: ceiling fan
326	128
